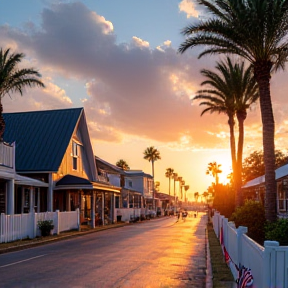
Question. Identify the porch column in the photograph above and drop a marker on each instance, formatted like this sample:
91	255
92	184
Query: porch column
68	201
113	208
50	194
102	216
10	197
31	200
93	198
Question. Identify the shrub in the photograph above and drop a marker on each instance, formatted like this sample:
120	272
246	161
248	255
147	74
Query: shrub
224	199
45	227
277	231
251	215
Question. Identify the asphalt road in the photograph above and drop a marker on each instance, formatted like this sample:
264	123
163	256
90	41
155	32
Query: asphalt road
158	253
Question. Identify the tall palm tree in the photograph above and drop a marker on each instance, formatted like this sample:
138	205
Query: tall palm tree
196	196
257	31
175	178
13	79
152	154
186	188
214	169
231	91
182	184
169	174
122	164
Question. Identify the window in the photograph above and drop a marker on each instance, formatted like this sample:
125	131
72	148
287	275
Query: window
282	199
75	155
130	184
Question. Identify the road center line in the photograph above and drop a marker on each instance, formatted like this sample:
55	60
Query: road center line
22	261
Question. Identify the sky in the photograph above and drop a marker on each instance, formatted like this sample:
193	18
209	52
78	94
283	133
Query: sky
119	60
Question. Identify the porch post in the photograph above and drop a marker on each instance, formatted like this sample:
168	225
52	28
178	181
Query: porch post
31	200
102	216
10	197
50	194
93	209
113	208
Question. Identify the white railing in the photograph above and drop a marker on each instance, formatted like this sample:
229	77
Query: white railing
7	153
21	226
268	264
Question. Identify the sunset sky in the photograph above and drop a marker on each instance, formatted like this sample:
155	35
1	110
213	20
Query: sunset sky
119	60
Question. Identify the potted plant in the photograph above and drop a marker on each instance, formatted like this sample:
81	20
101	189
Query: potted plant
45	227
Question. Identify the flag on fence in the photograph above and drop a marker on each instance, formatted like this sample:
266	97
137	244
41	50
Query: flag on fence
245	277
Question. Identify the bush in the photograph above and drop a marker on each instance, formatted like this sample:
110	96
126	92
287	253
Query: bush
277	231
251	215
224	199
45	227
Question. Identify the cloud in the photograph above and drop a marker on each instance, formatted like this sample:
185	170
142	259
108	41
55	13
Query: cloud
188	7
133	89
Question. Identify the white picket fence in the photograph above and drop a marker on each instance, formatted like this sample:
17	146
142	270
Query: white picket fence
21	226
268	264
129	214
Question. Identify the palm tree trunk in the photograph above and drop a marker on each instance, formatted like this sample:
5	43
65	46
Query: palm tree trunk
169	184
2	122
241	116
153	199
262	75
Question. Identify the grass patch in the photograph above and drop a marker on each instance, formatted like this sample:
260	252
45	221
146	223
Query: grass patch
222	276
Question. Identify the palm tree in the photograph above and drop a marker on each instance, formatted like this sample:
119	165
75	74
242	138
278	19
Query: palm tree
186	188
175	178
122	164
182	184
205	195
214	169
13	79
196	196
152	154
257	31
169	174
232	92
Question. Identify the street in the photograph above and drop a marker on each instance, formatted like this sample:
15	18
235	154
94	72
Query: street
156	253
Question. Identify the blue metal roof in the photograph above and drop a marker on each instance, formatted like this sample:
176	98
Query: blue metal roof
41	137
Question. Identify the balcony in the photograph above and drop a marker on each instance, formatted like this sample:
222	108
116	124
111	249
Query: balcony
7	153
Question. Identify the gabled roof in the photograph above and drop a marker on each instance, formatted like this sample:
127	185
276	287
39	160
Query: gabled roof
108	167
41	137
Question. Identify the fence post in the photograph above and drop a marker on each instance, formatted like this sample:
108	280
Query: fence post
78	219
57	222
2	227
240	231
33	220
269	273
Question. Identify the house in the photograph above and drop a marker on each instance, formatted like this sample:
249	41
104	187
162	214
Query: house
54	146
255	189
137	184
12	184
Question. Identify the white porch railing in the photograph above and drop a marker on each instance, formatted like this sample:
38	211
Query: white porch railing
268	264
7	155
21	226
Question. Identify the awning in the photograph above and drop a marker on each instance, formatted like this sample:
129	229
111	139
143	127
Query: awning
73	182
22	180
